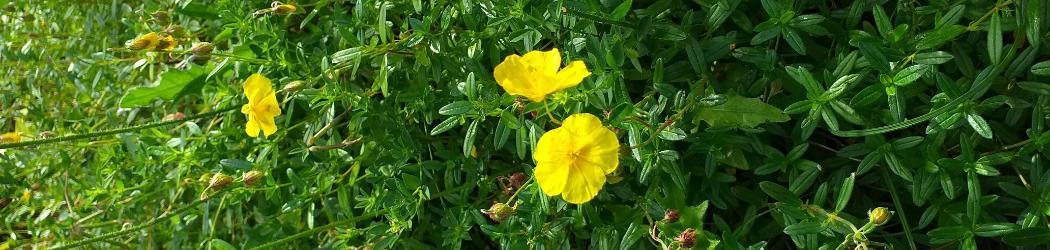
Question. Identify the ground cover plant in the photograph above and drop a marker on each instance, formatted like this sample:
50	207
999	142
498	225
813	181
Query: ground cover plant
518	124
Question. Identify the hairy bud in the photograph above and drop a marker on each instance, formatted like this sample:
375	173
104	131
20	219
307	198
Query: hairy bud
219	181
251	178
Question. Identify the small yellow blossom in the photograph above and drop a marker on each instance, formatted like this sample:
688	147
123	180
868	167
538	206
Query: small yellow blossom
537	74
145	42
262	106
572	160
167	43
10	137
283	9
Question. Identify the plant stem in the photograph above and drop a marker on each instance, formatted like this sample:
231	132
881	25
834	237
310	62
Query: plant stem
285	240
113	131
149	223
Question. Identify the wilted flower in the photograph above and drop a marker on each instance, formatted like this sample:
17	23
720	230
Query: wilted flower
161	17
572	160
10	137
262	106
144	42
499	212
687	239
219	181
251	178
537	74
671	216
202	48
166	43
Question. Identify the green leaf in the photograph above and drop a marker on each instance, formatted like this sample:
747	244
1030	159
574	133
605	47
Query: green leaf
672	134
882	21
468	139
980	125
457	107
794	40
218	244
1035	87
780	193
1041	68
845	192
805	227
949	233
1032	236
931	58
621	10
1033	20
173	84
939	36
910	74
693	216
445	125
740	111
802	76
994	39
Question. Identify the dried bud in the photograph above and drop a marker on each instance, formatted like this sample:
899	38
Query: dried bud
219	181
671	216
251	178
144	42
10	7
47	134
176	31
284	9
687	239
202	48
174	116
166	43
879	215
293	86
518	179
161	18
499	212
4	201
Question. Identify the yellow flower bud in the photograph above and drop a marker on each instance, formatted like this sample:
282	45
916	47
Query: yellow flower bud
10	137
879	215
284	9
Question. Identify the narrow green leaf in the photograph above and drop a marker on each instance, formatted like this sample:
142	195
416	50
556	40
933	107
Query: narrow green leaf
802	76
910	74
994	39
172	85
1033	21
805	227
882	21
1031	236
780	193
794	40
845	192
621	10
931	58
1041	68
468	139
740	111
457	107
939	36
980	125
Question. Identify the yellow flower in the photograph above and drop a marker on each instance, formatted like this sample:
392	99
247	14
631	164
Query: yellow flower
167	43
536	74
145	42
10	137
572	160
262	106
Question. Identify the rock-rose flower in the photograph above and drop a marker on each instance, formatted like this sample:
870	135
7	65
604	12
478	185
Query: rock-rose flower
262	106
572	160
537	74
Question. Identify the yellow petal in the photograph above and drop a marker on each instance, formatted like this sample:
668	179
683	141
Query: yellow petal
268	105
267	124
246	109
571	75
552	177
252	126
582	124
545	62
257	87
513	76
583	184
603	150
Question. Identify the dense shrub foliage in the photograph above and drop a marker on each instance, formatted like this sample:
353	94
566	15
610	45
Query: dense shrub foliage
524	124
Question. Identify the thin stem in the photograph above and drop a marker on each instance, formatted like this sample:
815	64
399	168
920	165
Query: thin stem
523	186
286	240
149	223
554	120
113	131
